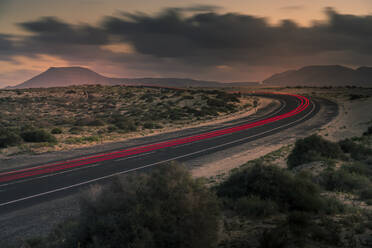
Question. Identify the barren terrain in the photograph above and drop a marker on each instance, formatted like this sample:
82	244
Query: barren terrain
81	116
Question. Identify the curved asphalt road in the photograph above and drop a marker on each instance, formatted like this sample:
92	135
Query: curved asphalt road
28	186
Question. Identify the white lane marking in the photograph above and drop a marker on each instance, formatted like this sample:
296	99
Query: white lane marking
149	165
49	175
137	156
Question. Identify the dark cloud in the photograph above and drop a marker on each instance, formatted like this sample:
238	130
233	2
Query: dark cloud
52	30
198	39
6	47
211	38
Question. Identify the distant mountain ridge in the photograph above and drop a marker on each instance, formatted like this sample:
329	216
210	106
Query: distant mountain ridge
319	75
67	76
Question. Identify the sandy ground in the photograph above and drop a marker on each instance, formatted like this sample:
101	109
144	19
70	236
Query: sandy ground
353	120
223	166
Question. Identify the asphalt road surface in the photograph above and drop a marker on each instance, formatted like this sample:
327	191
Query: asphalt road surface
27	186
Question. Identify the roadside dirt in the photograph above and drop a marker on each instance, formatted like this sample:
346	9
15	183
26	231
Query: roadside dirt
354	119
222	162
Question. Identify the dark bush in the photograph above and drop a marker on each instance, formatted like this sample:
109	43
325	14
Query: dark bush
37	135
355	97
356	151
254	206
271	183
76	130
313	148
152	125
9	138
366	194
56	131
125	124
96	122
111	129
274	238
165	209
343	180
360	168
369	131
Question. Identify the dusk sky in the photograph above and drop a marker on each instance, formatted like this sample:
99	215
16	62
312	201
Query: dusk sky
234	40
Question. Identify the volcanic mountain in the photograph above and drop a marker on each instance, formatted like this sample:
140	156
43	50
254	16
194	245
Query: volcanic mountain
318	75
65	76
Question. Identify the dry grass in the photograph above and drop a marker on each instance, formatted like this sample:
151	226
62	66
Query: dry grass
89	115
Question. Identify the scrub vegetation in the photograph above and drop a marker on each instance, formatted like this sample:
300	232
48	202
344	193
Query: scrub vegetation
257	205
61	118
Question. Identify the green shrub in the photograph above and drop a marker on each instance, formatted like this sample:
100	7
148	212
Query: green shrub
96	122
356	151
126	125
343	180
334	206
360	168
313	148
56	130
254	206
76	130
366	194
151	125
37	135
164	209
355	97
369	131
9	138
274	238
271	183
111	129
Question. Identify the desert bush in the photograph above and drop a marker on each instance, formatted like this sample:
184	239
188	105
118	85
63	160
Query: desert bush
126	125
37	135
274	238
358	167
343	180
152	125
369	131
76	130
300	230
166	208
289	192
334	206
356	151
366	194
313	148
56	131
96	122
355	97
112	128
254	206
9	138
